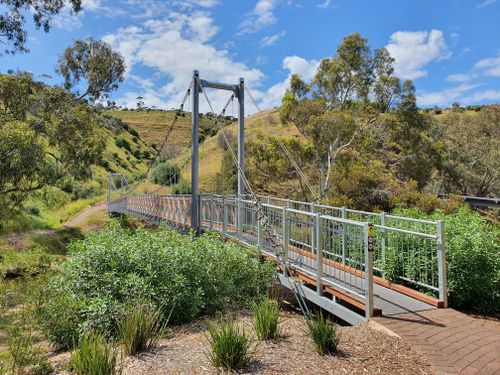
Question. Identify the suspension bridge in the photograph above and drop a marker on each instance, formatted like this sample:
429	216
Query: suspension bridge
354	264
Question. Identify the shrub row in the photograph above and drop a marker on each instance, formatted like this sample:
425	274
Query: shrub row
181	278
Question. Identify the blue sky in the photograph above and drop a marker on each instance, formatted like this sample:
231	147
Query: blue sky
450	48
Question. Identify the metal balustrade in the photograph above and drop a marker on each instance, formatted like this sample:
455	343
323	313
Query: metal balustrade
337	250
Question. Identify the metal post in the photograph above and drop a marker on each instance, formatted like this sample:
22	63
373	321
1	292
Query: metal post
319	255
109	192
241	136
384	239
443	292
194	155
344	235
224	216
286	234
260	234
368	248
313	233
211	211
239	217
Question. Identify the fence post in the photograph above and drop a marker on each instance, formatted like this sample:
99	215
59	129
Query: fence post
443	292
286	234
211	211
109	192
239	218
344	235
368	247
384	236
313	232
319	255
260	234
224	216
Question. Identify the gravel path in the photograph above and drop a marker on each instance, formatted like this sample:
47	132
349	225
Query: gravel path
363	350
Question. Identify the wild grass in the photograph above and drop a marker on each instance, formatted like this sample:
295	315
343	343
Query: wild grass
324	333
140	329
230	345
266	319
94	356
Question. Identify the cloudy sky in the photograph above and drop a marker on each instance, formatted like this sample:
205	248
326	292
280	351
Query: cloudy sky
450	48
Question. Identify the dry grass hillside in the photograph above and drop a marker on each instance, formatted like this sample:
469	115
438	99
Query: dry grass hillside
152	126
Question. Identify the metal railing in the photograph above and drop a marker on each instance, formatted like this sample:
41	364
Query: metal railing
406	249
331	246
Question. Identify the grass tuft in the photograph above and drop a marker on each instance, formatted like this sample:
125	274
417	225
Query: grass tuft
140	329
94	356
230	345
324	333
265	319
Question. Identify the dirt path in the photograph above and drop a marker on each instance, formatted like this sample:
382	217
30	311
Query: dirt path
20	240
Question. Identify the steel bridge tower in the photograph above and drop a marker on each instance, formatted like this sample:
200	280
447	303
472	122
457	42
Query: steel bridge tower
239	93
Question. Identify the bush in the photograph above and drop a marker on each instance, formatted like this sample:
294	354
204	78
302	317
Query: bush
229	345
182	187
472	259
265	319
165	174
325	335
122	143
94	356
140	329
108	271
33	210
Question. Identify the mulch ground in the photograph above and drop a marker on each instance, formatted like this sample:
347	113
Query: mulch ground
362	350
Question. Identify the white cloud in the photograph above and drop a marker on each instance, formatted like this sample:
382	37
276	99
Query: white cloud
486	3
295	65
173	47
261	16
445	97
481	96
458	77
327	4
270	40
489	67
413	50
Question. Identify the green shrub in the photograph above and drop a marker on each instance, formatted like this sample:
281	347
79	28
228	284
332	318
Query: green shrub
140	328
182	187
94	356
165	174
108	271
33	210
472	259
122	143
265	319
30	262
230	345
325	335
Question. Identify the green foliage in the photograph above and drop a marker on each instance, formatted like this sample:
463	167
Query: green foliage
109	271
472	259
230	345
12	20
15	263
324	333
182	187
165	174
94	356
93	61
140	328
122	143
265	319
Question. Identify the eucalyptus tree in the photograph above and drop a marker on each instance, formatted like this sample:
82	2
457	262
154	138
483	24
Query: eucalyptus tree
345	98
13	34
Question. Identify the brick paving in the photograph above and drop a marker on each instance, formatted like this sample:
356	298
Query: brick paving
453	342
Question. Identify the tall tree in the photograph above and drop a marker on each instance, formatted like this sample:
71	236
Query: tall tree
334	111
13	33
94	62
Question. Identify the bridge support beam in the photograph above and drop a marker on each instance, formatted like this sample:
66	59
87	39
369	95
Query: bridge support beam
241	136
195	218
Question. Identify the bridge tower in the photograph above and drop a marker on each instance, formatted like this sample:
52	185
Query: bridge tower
239	93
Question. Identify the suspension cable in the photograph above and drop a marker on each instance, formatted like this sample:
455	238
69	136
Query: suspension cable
290	157
263	218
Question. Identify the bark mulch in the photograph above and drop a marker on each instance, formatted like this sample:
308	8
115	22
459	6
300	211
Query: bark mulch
362	350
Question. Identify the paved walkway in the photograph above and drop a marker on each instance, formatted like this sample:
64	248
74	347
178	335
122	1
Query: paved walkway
453	342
